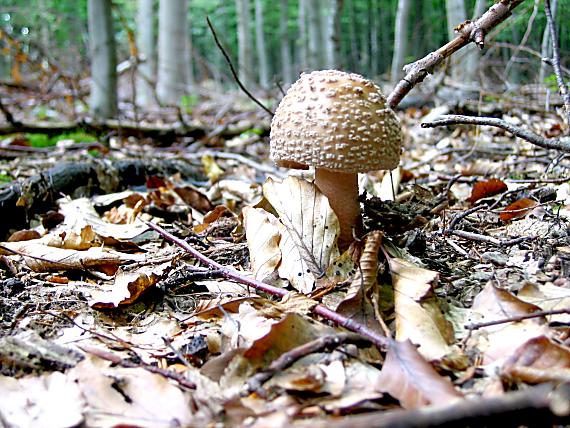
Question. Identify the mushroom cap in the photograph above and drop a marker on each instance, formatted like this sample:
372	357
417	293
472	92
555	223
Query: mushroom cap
335	120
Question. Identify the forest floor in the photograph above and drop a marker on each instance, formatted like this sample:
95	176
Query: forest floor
103	321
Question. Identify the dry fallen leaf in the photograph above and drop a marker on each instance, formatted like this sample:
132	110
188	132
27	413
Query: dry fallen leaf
263	238
539	360
308	229
419	317
518	209
407	377
485	189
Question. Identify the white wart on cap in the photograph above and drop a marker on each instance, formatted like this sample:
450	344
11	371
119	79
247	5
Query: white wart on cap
338	121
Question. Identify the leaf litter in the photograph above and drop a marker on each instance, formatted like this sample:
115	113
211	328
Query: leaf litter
465	272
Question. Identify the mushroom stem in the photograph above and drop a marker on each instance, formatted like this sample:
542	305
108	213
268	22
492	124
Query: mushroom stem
341	189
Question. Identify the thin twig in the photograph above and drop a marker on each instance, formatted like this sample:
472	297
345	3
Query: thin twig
233	70
461	215
285	360
467	32
537	314
380	341
556	61
488	239
562	143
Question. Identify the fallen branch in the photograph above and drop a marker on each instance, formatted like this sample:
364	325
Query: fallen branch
381	342
542	405
467	32
537	314
561	144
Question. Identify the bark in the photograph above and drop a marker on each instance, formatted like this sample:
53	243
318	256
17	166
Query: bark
455	11
400	39
352	34
374	46
315	31
145	47
260	45
546	46
173	55
285	45
302	39
245	53
103	100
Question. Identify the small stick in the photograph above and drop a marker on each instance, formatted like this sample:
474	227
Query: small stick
378	340
489	239
537	314
287	359
233	70
562	143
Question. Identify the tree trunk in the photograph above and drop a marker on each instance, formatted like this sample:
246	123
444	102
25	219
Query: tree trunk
173	55
315	31
285	46
374	48
302	40
245	53
103	99
546	46
145	47
260	45
331	27
400	39
352	33
472	54
455	10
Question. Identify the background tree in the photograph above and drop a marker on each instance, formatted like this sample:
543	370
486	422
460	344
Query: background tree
146	51
103	100
173	51
245	54
400	39
285	44
260	45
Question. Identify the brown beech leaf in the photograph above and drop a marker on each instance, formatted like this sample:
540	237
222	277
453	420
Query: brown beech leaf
518	209
408	377
485	189
538	360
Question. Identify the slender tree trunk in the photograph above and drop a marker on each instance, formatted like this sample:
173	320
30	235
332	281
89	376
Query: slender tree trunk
374	47
103	99
352	33
173	55
456	14
285	46
546	46
302	40
400	39
245	53
260	45
332	34
315	31
145	46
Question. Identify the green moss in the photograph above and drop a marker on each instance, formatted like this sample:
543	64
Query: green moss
43	140
6	178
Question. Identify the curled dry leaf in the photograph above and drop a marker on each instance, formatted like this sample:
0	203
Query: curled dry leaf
263	238
41	258
539	360
410	379
128	286
419	317
518	209
308	229
485	189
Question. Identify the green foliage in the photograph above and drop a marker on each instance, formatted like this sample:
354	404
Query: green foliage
4	178
551	82
188	102
43	140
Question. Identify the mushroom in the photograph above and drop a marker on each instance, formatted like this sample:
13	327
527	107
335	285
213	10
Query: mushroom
338	123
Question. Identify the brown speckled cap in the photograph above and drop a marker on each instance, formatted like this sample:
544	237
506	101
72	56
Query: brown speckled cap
335	120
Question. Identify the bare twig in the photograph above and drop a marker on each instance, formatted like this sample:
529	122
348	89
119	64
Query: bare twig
233	70
380	341
115	359
487	239
537	314
561	143
8	115
329	342
556	61
467	32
